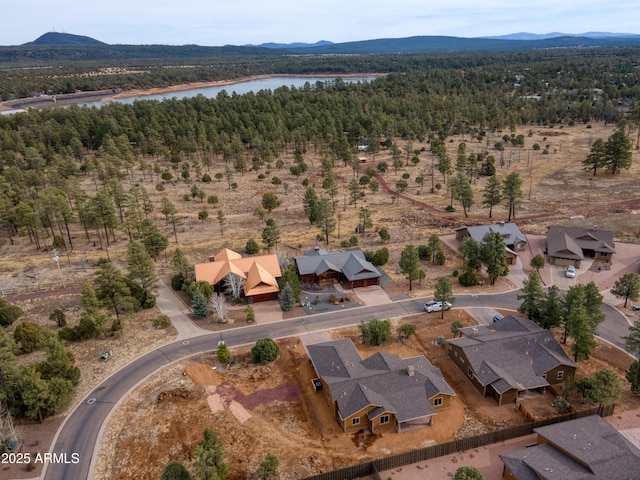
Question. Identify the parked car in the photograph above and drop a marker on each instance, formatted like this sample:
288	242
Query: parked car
497	318
431	307
571	272
106	355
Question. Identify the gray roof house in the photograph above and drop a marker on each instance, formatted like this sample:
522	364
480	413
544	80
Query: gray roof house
510	357
350	266
514	239
570	245
381	392
583	449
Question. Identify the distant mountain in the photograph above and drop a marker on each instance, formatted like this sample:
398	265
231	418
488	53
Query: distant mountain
56	38
321	43
546	36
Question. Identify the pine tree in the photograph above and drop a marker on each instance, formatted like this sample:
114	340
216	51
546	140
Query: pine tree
288	300
199	305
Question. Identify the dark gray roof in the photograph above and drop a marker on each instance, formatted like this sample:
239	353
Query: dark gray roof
511	353
509	231
570	242
581	449
351	263
382	380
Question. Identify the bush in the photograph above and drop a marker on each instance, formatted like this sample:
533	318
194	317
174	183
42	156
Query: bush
9	313
252	247
59	317
250	313
424	252
439	258
381	257
163	321
86	329
29	336
265	350
454	274
206	178
66	334
407	330
468	279
222	353
177	281
375	332
449	208
332	298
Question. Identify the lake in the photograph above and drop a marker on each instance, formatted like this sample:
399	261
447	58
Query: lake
239	88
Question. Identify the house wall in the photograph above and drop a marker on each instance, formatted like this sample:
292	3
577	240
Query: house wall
348	426
603	257
462	363
507	475
506	398
564	262
552	375
446	402
511	258
460	234
519	246
376	426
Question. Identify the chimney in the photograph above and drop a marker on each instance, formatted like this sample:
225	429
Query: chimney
502	223
411	370
211	258
475	330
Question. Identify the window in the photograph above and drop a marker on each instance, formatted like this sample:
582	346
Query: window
437	401
604	254
470	372
355	421
544	375
384	419
560	375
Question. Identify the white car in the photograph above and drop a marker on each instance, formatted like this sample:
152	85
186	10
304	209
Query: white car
571	272
432	306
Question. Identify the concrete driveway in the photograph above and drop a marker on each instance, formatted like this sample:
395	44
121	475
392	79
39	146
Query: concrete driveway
559	277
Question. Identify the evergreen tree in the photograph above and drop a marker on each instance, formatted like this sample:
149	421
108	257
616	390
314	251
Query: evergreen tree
252	247
199	305
375	332
309	204
410	263
512	192
627	287
494	256
288	300
633	376
443	292
325	217
222	353
175	471
268	467
210	463
552	309
112	290
142	271
618	154
532	297
290	277
596	158
264	351
180	263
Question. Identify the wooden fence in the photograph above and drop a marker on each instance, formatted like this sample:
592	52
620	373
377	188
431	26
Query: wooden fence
371	469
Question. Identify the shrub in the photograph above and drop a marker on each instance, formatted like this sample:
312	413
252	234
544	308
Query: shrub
454	274
177	281
206	178
9	313
316	301
332	298
424	252
381	257
440	340
29	336
265	350
86	329
450	208
439	258
407	330
212	200
222	353
59	317
163	321
375	332
468	279
252	247
66	334
250	313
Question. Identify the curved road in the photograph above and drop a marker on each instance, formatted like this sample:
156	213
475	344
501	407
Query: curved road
80	432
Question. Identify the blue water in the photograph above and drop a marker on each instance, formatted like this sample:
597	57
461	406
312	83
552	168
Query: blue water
238	88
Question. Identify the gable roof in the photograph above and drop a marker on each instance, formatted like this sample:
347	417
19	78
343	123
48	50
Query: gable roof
513	353
382	380
351	263
509	231
259	272
585	448
570	242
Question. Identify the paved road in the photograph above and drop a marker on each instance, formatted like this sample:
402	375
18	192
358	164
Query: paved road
80	432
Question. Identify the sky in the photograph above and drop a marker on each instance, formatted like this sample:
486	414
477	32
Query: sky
241	22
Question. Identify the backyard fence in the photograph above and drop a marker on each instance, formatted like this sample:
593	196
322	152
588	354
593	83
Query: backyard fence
371	469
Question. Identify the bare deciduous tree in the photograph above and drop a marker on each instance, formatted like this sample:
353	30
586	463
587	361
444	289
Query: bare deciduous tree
234	284
218	304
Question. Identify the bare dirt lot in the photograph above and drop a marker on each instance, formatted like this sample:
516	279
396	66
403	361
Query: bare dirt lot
272	408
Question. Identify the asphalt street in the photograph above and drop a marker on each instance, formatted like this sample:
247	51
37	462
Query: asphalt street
80	432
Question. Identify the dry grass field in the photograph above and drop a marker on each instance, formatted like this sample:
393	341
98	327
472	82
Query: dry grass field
555	189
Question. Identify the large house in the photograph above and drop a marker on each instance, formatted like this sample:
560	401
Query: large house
382	392
514	239
259	274
319	266
509	358
583	449
570	245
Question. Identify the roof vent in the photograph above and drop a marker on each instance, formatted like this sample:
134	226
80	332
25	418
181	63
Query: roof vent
502	223
411	370
595	228
474	330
